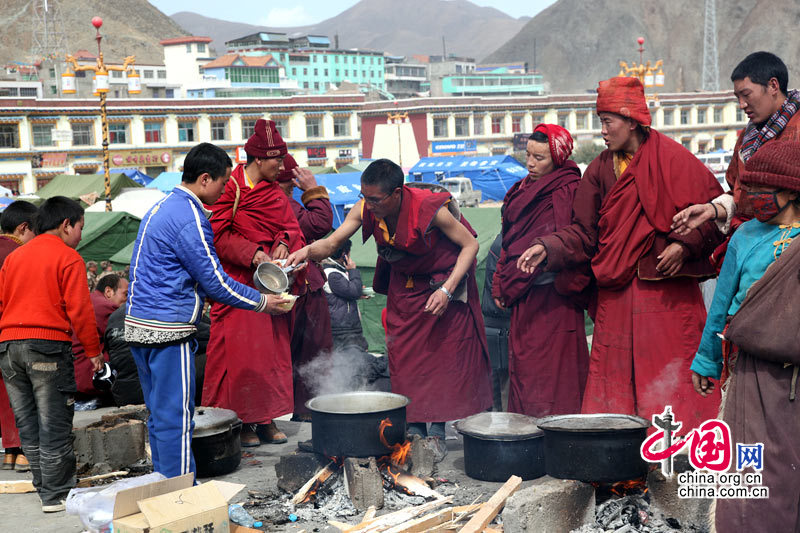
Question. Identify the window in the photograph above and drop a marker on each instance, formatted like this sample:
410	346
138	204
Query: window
118	133
201	48
497	124
337	72
324	59
156	92
701	115
326	72
148	74
684	116
186	131
305	85
346	73
27	91
341	126
669	117
219	130
248	127
462	126
116	73
363	73
162	74
42	135
516	124
440	126
335	59
294	71
313	127
316	85
687	143
82	133
282	126
316	72
563	120
363	60
305	71
718	143
717	115
52	72
153	132
740	116
189	47
478	123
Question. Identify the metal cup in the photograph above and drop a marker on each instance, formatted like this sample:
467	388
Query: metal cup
270	278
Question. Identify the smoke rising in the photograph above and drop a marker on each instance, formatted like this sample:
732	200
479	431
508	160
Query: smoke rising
347	370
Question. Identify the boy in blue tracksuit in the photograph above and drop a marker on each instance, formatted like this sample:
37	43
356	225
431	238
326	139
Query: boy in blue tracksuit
174	267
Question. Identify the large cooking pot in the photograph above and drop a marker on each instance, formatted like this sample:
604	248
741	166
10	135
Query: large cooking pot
600	448
215	442
499	445
348	424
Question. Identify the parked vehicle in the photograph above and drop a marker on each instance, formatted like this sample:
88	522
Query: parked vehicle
716	161
461	189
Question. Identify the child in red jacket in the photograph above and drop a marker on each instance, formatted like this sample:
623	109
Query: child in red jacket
43	297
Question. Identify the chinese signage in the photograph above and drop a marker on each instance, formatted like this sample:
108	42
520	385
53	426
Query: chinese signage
439	147
138	159
520	141
346	153
316	152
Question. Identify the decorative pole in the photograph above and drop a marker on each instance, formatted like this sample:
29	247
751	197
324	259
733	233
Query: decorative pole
101	87
651	75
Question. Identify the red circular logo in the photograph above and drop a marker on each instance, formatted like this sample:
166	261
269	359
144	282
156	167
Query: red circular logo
117	159
165	157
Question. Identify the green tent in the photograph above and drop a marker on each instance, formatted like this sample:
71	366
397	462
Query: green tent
361	166
484	220
122	258
76	185
322	170
104	234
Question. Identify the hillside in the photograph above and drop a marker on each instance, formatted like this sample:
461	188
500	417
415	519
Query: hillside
130	27
401	28
580	42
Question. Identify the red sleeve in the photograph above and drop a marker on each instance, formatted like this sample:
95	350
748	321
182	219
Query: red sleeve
577	242
79	307
316	218
231	247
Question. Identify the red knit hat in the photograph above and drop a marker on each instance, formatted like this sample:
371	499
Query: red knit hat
623	96
266	141
288	164
775	164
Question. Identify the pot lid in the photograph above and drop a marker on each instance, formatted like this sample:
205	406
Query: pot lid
593	422
213	420
355	403
499	426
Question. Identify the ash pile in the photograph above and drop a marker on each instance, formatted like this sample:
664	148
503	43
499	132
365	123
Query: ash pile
633	513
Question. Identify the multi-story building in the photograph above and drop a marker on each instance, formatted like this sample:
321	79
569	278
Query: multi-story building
441	66
311	61
184	58
404	78
40	138
244	76
701	122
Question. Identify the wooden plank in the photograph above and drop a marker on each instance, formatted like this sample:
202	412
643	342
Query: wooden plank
322	475
398	517
423	523
21	486
489	510
87	481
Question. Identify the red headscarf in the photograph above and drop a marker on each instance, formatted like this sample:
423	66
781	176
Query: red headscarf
288	164
559	140
623	96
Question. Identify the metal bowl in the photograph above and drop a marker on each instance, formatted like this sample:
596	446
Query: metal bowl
270	278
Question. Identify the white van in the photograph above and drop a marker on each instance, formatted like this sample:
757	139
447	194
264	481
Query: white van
716	161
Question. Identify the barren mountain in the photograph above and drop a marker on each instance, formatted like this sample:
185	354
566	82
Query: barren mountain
402	28
129	27
579	42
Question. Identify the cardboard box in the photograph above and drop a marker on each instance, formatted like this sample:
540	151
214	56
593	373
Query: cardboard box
174	505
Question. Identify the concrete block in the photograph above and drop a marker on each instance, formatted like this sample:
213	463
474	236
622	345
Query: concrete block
664	497
421	457
295	469
117	442
364	482
550	505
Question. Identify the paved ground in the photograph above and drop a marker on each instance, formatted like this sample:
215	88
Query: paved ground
21	513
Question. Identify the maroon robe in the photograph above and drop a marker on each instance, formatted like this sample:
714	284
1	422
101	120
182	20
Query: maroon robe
440	363
83	366
548	355
311	319
249	363
647	328
8	426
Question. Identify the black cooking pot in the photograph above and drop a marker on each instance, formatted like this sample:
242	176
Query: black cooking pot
348	424
499	445
599	448
215	442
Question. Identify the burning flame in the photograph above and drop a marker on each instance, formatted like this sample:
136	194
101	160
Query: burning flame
623	488
399	451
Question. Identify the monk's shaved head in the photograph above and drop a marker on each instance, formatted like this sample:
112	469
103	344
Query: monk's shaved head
383	173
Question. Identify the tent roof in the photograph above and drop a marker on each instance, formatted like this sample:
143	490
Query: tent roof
76	185
123	257
136	175
104	234
355	167
166	181
493	175
343	188
134	201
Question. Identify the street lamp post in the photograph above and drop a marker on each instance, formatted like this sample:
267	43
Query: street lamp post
101	87
651	75
398	119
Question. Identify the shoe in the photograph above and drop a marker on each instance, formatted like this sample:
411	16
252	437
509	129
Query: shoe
270	434
248	436
9	459
305	417
54	507
439	448
22	464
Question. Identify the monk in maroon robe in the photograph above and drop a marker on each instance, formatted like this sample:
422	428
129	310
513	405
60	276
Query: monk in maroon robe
249	363
548	355
311	319
434	329
648	310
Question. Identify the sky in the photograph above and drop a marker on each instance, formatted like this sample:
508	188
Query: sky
305	12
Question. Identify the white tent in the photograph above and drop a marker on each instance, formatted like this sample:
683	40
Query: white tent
133	201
